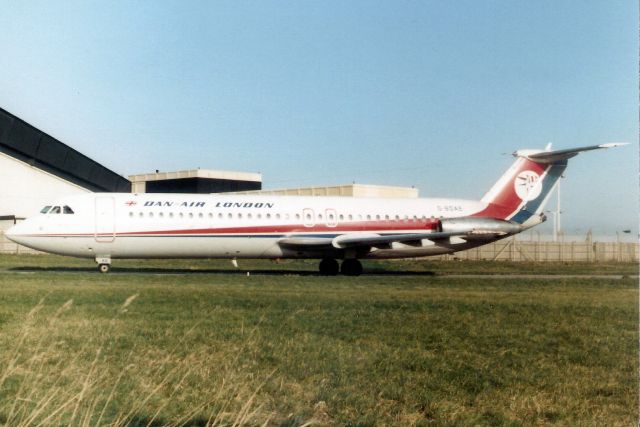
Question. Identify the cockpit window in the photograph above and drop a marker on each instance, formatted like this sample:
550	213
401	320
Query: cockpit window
67	210
45	209
55	210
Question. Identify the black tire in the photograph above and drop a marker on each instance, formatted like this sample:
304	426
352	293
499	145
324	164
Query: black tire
328	267
351	267
104	268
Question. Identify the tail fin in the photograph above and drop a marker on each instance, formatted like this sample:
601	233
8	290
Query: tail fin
521	194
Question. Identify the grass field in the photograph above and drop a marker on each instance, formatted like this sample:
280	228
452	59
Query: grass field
285	347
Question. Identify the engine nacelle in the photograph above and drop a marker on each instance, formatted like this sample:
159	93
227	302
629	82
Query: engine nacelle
480	226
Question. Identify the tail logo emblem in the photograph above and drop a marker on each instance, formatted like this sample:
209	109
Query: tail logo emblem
527	185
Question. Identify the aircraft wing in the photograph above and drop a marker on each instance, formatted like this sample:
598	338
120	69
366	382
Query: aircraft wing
307	242
355	240
350	241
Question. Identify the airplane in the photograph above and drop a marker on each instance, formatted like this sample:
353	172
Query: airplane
107	226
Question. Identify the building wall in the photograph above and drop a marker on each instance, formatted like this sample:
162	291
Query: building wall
347	190
199	181
200	186
26	189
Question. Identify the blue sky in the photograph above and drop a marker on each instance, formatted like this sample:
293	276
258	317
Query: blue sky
423	93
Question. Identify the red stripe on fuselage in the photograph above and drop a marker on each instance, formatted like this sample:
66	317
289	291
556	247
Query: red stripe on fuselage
365	226
401	225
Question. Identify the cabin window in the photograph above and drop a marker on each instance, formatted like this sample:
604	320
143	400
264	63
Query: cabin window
319	217
55	210
170	214
230	215
368	217
181	215
190	214
259	216
45	209
200	215
386	217
161	215
210	215
150	214
220	215
268	216
249	216
297	216
277	216
341	217
140	214
350	217
131	214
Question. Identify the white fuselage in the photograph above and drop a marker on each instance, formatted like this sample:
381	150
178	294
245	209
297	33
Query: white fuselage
234	226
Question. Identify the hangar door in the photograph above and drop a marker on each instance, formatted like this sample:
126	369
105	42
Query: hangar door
105	219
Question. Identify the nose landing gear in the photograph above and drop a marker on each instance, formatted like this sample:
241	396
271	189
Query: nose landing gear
104	264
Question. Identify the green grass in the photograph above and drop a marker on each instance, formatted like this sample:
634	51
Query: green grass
286	349
419	266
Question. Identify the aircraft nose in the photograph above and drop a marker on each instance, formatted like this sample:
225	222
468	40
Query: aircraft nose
14	233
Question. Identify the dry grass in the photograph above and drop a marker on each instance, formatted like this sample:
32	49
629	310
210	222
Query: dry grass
52	381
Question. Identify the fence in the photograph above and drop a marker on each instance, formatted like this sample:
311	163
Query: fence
503	250
517	250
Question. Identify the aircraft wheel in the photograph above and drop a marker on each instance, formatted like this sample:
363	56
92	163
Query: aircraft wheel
351	267
104	268
329	267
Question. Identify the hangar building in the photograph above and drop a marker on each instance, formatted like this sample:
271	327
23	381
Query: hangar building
201	181
345	190
36	168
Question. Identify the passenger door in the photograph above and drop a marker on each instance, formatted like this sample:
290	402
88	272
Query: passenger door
105	219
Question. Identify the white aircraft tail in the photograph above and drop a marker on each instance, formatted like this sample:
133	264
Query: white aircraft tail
521	194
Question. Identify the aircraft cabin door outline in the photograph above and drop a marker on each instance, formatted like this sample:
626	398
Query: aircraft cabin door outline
105	219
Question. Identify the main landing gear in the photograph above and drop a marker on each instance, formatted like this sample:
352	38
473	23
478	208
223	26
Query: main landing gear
349	267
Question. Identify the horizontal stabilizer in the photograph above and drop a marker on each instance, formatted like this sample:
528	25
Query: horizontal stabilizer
540	156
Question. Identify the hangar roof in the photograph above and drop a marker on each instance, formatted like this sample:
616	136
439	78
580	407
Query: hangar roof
24	142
